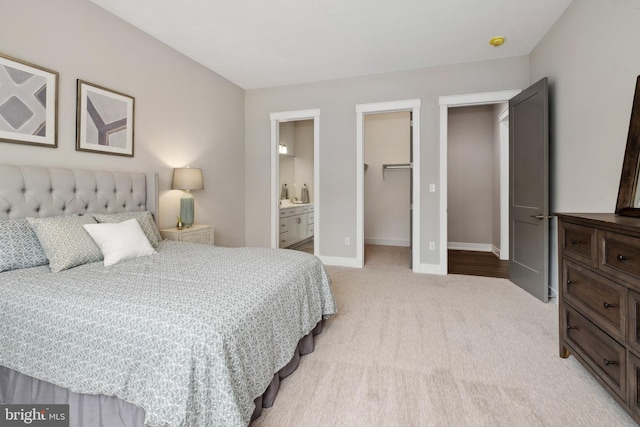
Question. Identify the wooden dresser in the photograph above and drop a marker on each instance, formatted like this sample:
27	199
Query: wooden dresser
599	270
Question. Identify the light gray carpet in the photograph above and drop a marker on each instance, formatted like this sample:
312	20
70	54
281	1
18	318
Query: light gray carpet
419	350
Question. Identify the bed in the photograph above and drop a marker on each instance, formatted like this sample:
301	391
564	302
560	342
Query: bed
193	335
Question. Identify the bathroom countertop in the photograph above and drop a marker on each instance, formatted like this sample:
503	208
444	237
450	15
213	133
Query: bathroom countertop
294	205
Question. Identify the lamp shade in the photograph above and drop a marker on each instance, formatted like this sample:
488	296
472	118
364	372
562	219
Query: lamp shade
187	179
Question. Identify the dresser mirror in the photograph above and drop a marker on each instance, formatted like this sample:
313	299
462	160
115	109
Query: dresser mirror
629	192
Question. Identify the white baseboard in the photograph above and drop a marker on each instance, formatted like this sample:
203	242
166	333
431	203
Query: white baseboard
341	261
495	250
387	242
479	247
431	269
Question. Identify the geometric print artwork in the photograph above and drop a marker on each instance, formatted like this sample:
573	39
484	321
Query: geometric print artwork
22	101
27	114
19	246
104	120
108	121
65	242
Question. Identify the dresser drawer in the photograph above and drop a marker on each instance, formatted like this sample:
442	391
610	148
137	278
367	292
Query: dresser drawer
601	352
579	242
620	256
284	226
604	301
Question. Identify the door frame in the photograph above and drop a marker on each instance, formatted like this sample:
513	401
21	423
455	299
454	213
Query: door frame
467	100
412	105
294	116
503	128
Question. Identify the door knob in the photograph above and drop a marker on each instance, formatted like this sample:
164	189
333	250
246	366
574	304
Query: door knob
541	216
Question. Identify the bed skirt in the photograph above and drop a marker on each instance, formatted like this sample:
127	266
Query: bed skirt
90	410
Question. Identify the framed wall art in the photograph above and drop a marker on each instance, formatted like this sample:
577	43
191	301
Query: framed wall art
28	103
104	120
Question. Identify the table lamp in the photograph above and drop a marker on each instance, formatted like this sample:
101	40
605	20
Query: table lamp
187	179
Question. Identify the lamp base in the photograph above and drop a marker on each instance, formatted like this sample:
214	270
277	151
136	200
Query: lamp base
187	210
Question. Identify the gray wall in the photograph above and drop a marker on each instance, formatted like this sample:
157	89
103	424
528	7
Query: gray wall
337	100
303	132
591	58
470	175
184	113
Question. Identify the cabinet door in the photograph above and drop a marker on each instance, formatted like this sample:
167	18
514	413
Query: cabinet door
301	224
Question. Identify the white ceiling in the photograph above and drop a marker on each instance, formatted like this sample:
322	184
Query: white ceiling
264	43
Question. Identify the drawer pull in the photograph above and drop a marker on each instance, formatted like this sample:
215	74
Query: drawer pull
608	362
574	241
569	327
570	282
607	305
622	257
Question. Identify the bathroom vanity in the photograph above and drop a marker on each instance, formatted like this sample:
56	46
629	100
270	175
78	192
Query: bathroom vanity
296	224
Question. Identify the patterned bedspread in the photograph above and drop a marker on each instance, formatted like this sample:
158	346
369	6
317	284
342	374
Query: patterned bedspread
192	334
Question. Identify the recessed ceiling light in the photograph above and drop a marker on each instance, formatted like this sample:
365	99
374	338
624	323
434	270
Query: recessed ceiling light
496	41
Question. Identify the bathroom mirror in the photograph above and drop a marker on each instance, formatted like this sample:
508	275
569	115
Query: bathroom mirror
629	194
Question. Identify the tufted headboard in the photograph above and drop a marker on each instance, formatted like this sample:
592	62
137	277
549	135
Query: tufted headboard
41	192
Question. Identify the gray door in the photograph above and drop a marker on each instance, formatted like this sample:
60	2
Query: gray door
529	190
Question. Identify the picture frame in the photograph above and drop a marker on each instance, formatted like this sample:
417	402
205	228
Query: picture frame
104	120
28	103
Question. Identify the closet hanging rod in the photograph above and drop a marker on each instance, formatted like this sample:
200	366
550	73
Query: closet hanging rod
395	166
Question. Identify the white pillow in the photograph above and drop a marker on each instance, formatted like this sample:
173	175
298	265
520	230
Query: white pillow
120	241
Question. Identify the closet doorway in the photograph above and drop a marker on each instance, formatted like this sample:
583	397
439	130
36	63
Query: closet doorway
474	174
411	106
295	202
387	188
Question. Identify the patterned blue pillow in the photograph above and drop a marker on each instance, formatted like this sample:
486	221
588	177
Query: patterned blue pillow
19	246
65	242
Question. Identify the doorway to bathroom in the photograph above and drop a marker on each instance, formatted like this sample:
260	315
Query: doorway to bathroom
295	180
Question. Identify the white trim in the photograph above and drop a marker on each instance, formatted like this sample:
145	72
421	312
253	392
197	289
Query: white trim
412	105
495	250
289	116
480	98
430	269
463	246
286	116
504	184
339	261
387	242
446	102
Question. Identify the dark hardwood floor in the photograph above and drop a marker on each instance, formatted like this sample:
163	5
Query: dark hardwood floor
475	263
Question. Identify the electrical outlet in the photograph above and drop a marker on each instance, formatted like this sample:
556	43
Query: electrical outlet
347	241
432	188
432	246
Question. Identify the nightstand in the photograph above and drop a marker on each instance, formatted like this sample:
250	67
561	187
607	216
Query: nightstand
195	234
